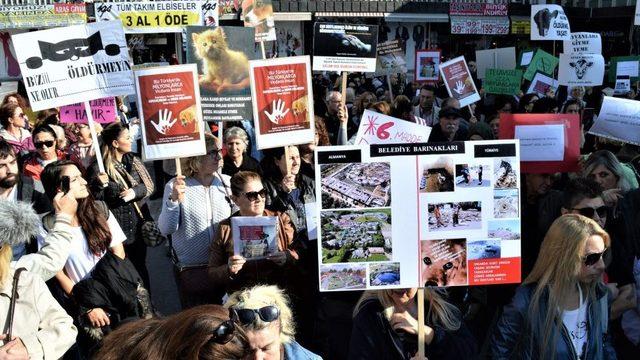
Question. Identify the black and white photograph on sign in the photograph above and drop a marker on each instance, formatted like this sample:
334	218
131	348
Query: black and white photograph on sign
384	274
455	216
345	47
483	249
391	58
356	185
356	236
581	69
504	229
444	262
437	175
548	22
472	176
343	276
63	66
505	203
505	174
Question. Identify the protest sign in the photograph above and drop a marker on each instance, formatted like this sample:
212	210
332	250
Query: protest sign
37	16
581	69
624	66
376	128
427	65
623	85
525	58
420	214
9	67
584	43
222	55
254	237
548	22
391	58
258	14
78	63
345	47
499	81
459	82
103	111
503	58
549	143
169	111
283	101
481	25
619	119
636	19
541	84
151	16
542	61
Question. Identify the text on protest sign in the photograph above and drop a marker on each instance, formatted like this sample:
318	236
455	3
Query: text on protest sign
619	119
542	61
391	58
41	16
581	69
548	22
459	82
103	111
151	17
78	63
345	47
376	128
624	66
583	42
499	81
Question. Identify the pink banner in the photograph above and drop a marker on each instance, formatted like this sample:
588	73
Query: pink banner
103	110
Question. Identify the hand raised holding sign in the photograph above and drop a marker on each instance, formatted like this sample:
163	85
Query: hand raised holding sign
164	121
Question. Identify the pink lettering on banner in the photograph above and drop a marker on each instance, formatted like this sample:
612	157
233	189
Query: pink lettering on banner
103	111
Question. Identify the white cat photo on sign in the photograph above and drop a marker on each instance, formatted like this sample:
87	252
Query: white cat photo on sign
581	70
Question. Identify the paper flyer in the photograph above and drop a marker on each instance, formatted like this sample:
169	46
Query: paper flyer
254	237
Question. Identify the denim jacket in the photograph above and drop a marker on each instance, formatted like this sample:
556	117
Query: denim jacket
516	336
295	351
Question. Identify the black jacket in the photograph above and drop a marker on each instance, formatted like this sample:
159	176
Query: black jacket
278	200
28	194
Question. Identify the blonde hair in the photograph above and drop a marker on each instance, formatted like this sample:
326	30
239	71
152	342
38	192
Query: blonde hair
260	296
440	311
557	269
191	165
6	254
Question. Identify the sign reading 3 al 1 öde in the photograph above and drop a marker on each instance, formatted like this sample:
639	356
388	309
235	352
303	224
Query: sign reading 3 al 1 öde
151	17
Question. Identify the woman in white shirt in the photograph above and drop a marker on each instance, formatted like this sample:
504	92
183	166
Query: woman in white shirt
95	230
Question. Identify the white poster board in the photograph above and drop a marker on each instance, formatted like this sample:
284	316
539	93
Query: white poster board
583	42
63	66
376	128
627	68
619	119
459	82
581	69
548	22
503	58
541	142
541	84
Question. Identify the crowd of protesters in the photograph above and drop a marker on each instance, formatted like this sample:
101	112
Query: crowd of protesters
82	230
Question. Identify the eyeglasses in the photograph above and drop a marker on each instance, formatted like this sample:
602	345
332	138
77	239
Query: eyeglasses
41	144
248	316
253	195
591	259
590	212
224	332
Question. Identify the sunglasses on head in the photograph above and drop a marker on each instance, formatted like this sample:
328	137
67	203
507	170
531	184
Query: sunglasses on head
224	332
590	212
591	259
41	144
253	195
248	316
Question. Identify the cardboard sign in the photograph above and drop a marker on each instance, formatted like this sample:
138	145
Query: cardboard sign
9	67
36	16
258	14
458	81
420	214
103	111
548	22
541	84
624	66
376	128
504	58
542	61
619	119
223	55
543	135
427	65
78	63
170	113
581	69
584	43
151	17
345	47
283	101
499	81
480	25
254	237
391	58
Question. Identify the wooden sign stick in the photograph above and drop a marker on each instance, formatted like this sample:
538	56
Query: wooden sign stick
421	330
94	136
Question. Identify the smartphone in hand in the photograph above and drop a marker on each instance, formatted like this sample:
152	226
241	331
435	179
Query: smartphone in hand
65	183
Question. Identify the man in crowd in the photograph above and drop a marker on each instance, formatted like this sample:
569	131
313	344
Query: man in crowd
448	129
332	118
426	110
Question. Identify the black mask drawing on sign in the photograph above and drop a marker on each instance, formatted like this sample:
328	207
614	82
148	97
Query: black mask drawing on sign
581	67
543	20
72	49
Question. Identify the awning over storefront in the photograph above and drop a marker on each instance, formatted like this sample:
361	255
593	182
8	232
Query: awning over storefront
417	18
349	14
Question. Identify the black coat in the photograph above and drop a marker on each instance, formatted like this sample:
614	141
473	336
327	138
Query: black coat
28	194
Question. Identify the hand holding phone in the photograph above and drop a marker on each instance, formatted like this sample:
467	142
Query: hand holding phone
65	183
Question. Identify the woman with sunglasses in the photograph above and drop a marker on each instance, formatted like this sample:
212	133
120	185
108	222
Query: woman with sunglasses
192	208
47	152
200	333
13	121
232	272
124	187
561	310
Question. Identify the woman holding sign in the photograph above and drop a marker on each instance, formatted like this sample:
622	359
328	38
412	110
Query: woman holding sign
125	183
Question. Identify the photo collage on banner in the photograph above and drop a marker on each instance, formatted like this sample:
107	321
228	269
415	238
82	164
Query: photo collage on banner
415	215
